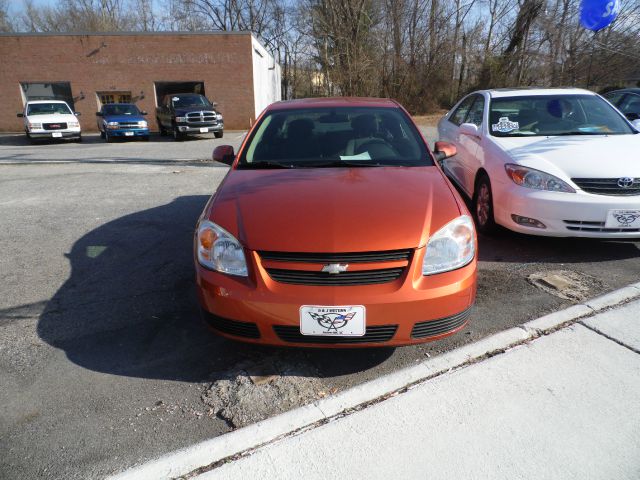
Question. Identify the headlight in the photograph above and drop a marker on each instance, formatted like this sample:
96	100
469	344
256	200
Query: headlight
219	116
452	247
531	178
181	119
142	124
73	124
35	126
112	125
218	250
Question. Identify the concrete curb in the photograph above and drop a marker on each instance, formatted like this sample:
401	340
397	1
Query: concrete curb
207	455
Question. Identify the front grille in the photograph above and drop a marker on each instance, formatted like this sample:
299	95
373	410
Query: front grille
200	117
357	257
373	334
128	125
432	328
231	327
607	186
581	226
306	277
54	126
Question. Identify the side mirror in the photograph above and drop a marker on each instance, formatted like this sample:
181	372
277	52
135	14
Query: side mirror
470	129
77	114
444	150
20	115
636	124
98	114
214	104
143	113
223	154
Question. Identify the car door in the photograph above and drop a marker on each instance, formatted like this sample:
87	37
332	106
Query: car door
449	131
473	155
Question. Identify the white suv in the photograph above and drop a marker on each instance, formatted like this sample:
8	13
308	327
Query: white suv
50	119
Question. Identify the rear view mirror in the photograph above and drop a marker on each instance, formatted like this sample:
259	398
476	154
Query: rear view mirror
223	154
98	114
143	113
444	150
20	115
470	129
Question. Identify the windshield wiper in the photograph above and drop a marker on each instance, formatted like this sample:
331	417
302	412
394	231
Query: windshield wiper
340	164
263	165
576	132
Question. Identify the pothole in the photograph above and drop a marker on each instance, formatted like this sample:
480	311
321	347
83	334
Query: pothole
566	284
253	392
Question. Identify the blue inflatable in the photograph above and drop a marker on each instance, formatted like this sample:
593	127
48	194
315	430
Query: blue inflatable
597	14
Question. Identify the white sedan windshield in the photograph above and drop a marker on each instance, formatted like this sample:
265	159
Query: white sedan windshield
551	115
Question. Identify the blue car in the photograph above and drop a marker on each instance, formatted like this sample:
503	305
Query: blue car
122	120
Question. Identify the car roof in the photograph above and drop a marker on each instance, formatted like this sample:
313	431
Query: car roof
519	92
31	102
624	90
183	93
118	104
333	102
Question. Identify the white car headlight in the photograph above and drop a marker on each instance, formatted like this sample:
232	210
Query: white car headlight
451	247
219	117
142	124
181	119
73	124
218	250
532	178
35	126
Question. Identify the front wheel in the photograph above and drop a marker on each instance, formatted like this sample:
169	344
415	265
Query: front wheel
483	206
178	136
219	134
107	137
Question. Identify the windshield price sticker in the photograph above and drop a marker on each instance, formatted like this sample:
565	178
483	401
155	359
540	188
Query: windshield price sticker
504	125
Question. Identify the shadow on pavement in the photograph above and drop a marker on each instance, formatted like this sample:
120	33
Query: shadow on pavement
129	308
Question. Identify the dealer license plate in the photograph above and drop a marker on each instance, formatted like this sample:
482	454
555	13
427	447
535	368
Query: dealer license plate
128	134
204	130
346	321
56	135
623	219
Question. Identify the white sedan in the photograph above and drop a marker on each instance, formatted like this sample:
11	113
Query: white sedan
555	162
50	119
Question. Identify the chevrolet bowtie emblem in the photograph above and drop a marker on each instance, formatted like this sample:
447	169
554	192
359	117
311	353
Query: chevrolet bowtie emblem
335	268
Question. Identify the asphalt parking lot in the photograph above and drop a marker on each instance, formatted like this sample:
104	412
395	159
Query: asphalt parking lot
104	362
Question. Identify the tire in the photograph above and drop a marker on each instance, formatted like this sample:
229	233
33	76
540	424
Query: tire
219	134
145	138
483	206
107	138
163	131
30	139
101	134
178	136
79	139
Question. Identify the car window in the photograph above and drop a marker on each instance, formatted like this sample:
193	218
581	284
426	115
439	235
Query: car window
336	137
48	109
115	109
475	113
614	97
460	114
630	104
190	101
551	115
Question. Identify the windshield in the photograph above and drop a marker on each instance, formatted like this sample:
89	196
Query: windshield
335	137
549	115
48	109
190	101
115	109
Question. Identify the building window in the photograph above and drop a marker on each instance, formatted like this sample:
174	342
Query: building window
47	91
105	98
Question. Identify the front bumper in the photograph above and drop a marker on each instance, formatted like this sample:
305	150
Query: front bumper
198	127
53	134
577	214
410	310
129	132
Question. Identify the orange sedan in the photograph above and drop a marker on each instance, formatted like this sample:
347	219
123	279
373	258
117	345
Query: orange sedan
335	227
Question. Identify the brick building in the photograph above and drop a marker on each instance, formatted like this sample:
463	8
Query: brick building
231	68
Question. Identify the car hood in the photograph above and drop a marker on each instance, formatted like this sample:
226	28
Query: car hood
52	118
597	156
123	118
184	110
334	209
